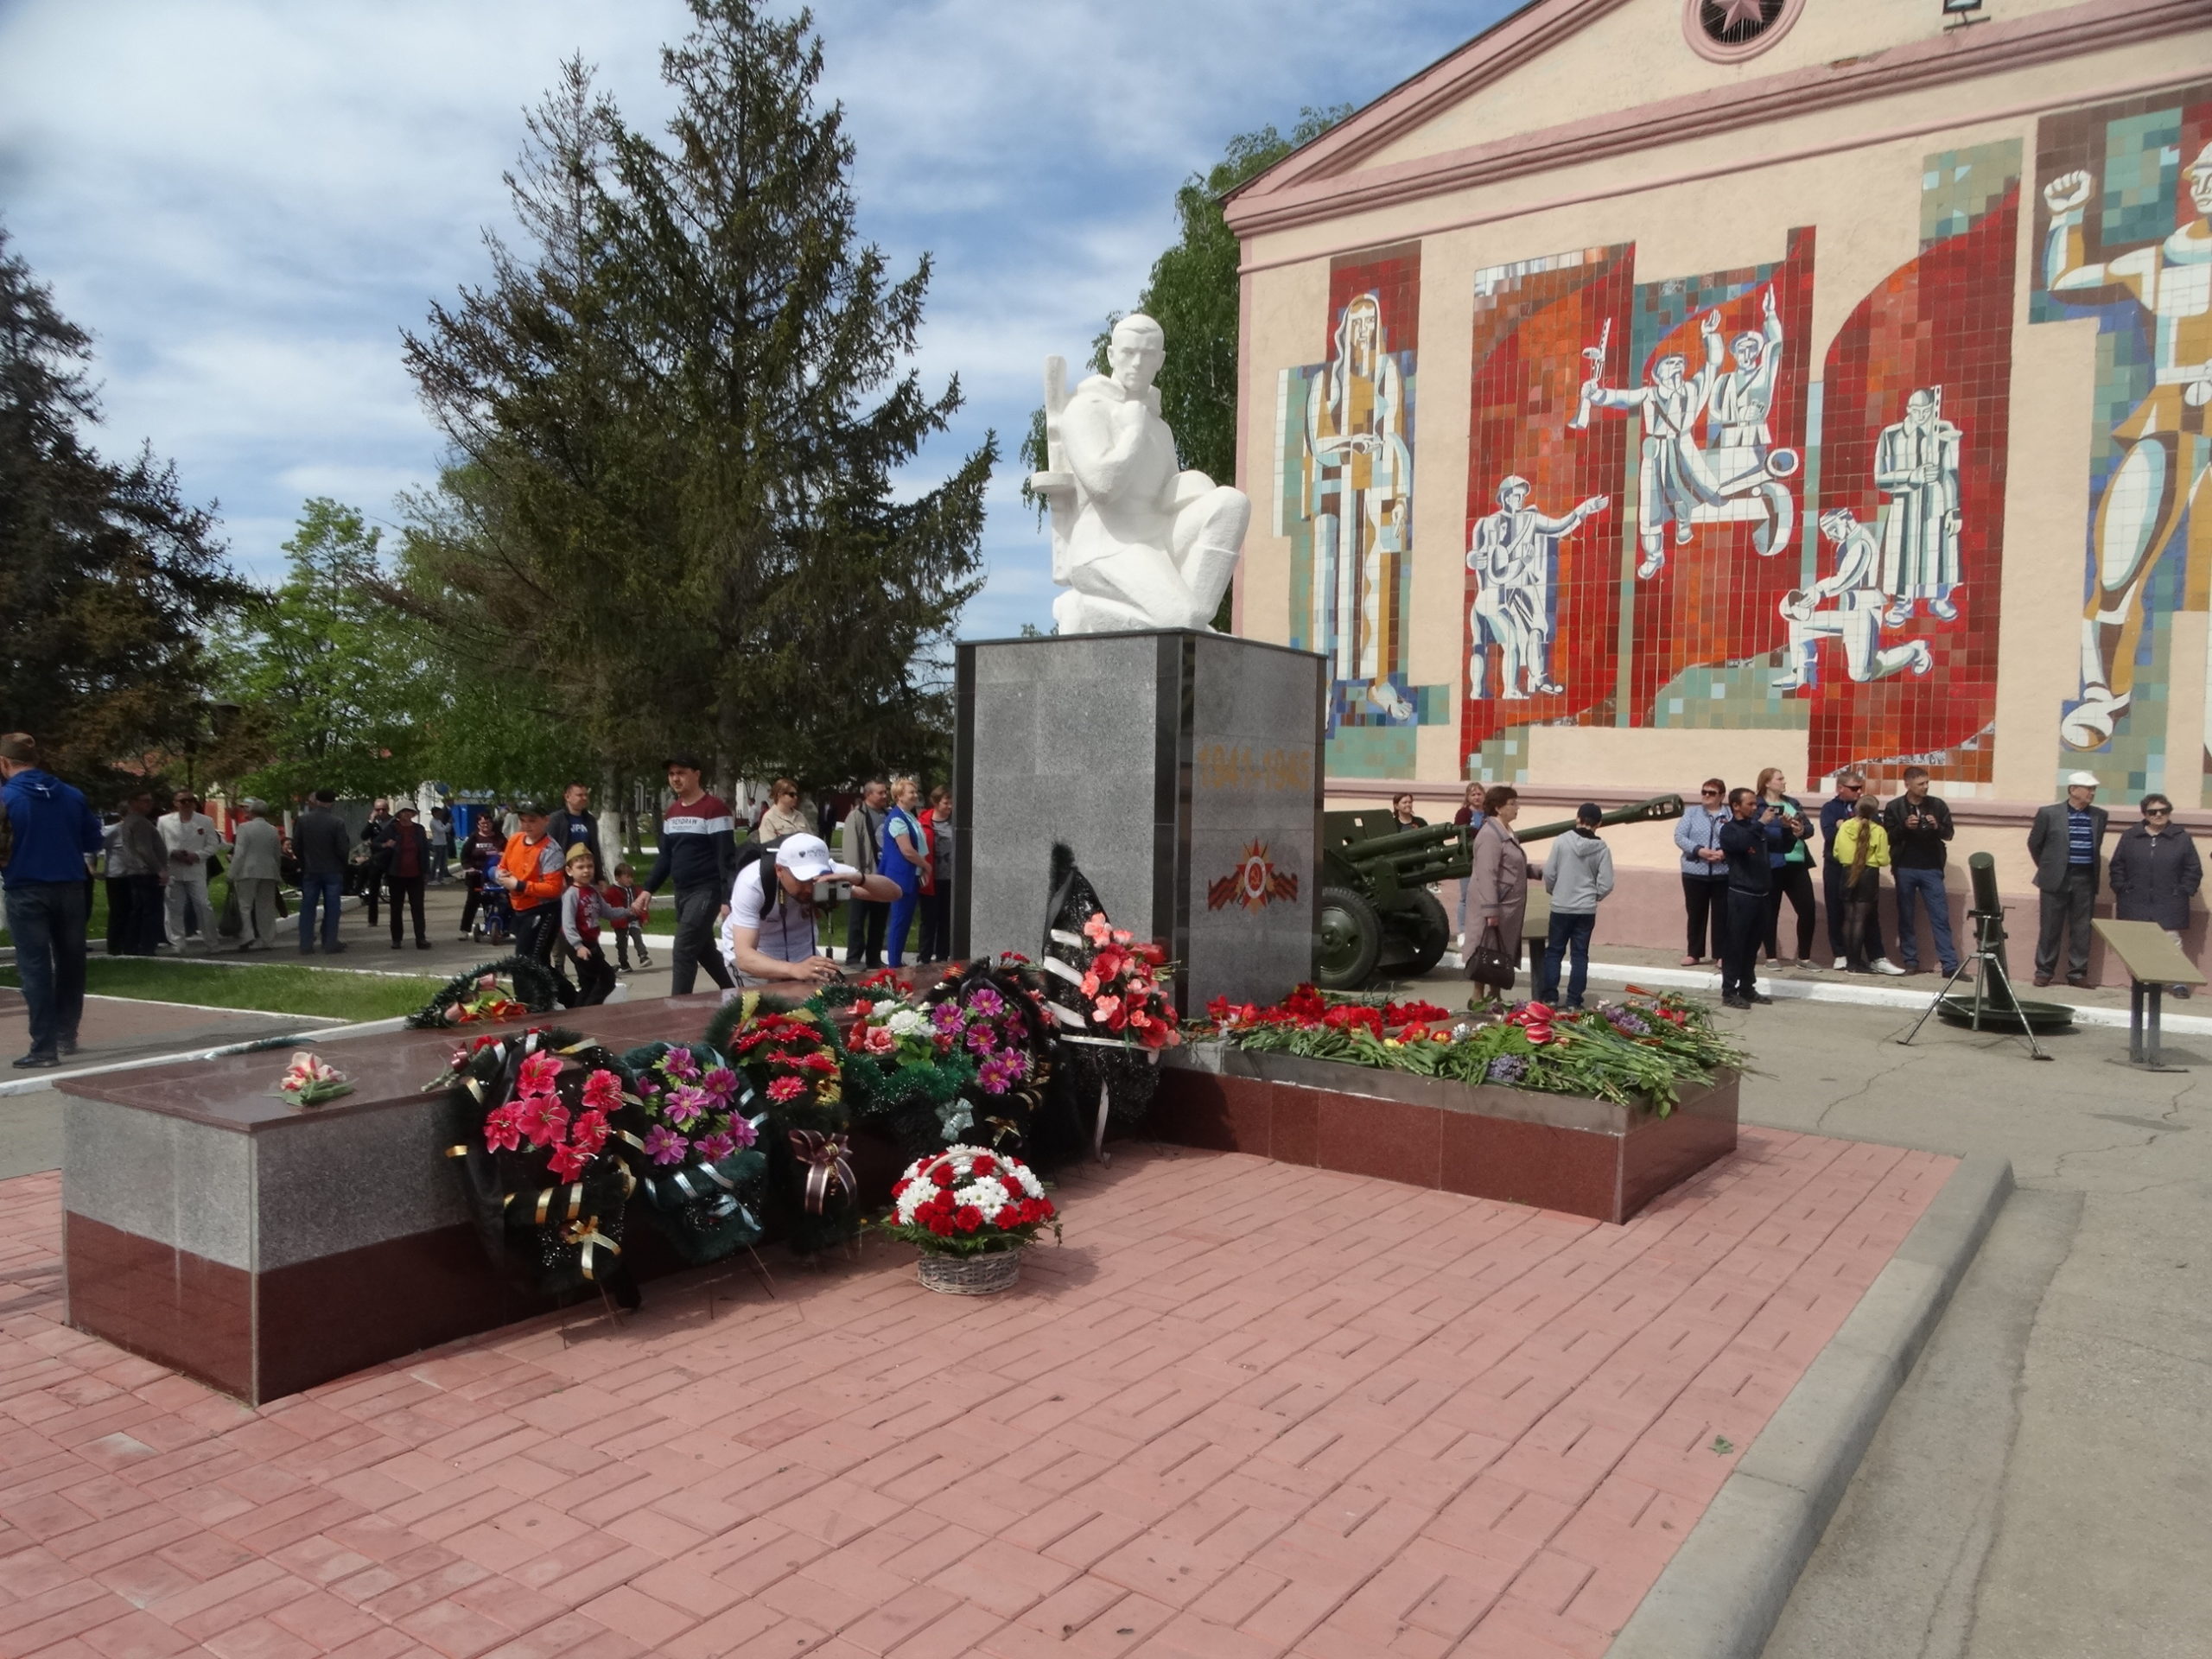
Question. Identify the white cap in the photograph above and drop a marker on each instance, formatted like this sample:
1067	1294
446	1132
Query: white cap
2086	779
807	858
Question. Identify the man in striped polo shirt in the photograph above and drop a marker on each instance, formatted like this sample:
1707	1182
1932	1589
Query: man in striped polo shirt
2066	841
699	850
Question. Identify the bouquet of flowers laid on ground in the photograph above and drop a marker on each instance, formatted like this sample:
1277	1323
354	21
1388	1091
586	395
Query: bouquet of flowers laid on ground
794	1062
546	1179
971	1212
695	1149
482	993
1643	1052
309	1081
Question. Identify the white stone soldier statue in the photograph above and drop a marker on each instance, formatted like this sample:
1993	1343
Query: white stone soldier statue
1140	543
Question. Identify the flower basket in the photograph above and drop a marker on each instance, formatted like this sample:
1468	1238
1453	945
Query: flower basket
969	1212
969	1275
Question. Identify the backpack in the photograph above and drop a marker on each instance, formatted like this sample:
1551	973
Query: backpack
762	853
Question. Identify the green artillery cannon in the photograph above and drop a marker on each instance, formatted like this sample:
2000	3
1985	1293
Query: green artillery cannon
1376	910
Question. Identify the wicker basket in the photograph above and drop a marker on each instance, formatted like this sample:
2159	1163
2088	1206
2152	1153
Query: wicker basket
969	1275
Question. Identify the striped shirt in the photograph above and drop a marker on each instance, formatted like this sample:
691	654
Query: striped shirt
2081	836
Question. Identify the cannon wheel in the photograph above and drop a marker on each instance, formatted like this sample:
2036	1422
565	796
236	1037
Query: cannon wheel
1423	929
1348	937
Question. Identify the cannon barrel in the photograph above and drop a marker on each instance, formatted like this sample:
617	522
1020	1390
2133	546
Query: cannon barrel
1657	810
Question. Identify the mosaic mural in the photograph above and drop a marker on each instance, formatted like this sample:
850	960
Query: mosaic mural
2123	192
1344	465
1670	523
1894	642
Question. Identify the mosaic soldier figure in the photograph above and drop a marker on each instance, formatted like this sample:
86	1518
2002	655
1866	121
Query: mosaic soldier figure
1511	553
1854	618
1140	542
2162	441
1916	464
1360	495
1672	474
1742	396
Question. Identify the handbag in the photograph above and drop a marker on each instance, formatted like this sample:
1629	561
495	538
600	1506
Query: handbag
1489	965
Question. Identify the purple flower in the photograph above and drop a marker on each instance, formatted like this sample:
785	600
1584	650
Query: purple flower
685	1105
946	1017
1507	1068
979	1038
986	1002
665	1146
742	1132
716	1146
720	1084
1629	1024
647	1088
680	1063
1001	1072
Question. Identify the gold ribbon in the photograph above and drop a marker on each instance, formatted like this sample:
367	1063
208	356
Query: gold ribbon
828	1168
584	1235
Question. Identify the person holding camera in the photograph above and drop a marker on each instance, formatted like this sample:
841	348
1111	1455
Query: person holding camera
1746	842
1918	824
770	937
1792	864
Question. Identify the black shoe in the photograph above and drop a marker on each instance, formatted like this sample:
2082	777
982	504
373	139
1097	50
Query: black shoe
422	945
306	950
396	943
68	1044
37	1062
1733	1001
332	950
1761	997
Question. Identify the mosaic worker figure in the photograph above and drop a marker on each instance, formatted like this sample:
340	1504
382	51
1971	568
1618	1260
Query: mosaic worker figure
1360	496
1854	618
2162	441
1674	477
1146	545
1916	462
1742	396
1511	553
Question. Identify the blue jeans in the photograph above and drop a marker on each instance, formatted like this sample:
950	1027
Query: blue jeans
902	917
1913	886
47	920
1570	932
329	891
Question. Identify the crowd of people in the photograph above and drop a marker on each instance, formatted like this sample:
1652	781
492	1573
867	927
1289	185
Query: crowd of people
1747	853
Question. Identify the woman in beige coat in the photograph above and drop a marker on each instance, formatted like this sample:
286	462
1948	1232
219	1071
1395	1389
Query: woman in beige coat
1497	891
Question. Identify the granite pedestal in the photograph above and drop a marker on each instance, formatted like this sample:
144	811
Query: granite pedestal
1569	1152
1184	770
262	1248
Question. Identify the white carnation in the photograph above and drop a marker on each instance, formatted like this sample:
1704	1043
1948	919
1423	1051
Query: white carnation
987	1194
908	1022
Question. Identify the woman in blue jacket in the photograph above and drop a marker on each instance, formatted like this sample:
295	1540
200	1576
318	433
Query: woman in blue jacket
906	858
1704	871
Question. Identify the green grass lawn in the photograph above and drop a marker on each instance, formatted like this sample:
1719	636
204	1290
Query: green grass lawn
271	987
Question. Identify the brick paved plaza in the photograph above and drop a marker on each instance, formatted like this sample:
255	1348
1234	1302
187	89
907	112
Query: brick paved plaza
1249	1409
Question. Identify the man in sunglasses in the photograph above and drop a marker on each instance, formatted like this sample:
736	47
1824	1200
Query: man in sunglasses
2155	872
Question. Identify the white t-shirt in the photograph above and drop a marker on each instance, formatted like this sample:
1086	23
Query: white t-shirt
787	931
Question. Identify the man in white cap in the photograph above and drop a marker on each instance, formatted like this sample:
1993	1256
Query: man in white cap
769	938
257	851
2066	842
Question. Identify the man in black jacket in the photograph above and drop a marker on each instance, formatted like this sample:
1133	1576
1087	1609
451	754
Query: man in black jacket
1750	875
698	848
1919	823
320	839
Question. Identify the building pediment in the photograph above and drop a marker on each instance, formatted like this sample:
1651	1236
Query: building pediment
1632	74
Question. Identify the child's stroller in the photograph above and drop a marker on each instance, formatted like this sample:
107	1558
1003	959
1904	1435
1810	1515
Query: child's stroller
494	913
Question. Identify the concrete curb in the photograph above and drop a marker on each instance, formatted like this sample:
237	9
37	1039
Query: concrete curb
1720	1596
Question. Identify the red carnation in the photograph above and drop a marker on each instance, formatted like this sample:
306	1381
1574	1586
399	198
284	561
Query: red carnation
968	1218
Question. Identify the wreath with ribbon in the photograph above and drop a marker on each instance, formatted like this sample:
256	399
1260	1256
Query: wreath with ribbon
549	1119
794	1059
701	1172
480	994
1104	1077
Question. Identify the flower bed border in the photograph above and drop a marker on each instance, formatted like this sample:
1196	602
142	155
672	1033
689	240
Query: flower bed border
1570	1152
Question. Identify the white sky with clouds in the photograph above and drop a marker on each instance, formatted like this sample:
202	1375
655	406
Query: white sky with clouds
245	203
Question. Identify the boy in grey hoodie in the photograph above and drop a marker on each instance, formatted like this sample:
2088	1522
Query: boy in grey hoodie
1577	875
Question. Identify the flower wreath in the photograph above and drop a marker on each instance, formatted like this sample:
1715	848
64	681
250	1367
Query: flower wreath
548	1114
794	1060
478	995
965	1201
701	1170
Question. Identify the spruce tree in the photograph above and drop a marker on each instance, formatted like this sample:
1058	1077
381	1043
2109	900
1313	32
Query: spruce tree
107	575
688	409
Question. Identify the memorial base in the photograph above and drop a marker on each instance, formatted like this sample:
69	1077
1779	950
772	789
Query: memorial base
1569	1152
1182	769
